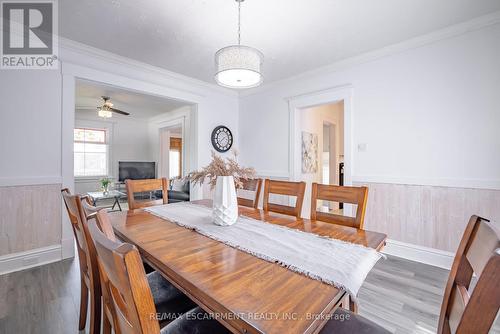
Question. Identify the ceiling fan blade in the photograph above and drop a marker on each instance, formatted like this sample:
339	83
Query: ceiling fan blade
119	111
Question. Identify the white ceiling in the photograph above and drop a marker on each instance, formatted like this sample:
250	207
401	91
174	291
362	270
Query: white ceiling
88	98
294	35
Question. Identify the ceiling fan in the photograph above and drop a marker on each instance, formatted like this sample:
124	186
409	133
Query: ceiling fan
107	110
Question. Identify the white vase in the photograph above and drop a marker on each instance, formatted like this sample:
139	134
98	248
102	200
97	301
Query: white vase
225	203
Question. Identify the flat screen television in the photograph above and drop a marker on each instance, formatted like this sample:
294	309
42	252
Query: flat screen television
136	170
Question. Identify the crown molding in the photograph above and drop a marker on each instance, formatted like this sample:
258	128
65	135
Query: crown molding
413	43
442	34
102	55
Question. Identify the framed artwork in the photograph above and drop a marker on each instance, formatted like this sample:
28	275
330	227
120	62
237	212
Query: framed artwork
309	153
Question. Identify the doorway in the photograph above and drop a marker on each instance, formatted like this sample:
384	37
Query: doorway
332	162
321	130
171	152
121	144
71	75
318	115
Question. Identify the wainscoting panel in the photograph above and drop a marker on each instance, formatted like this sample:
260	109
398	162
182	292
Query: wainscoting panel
30	218
428	216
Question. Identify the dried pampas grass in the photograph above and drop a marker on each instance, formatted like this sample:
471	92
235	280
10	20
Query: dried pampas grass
222	167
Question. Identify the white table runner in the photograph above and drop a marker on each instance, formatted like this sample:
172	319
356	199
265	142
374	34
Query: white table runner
342	264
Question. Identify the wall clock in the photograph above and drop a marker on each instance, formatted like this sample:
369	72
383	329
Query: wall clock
222	139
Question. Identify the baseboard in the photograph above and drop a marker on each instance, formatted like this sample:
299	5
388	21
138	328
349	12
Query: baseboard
29	259
431	256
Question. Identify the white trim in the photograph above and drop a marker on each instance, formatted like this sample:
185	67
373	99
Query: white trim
122	77
430	256
67	156
413	43
30	180
331	95
29	259
274	174
299	102
91	179
72	51
435	182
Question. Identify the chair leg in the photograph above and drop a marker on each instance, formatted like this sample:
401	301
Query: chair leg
84	300
106	325
95	311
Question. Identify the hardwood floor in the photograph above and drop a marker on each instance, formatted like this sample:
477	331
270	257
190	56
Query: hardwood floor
403	296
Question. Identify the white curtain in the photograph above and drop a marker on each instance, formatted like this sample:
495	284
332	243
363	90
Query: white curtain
163	165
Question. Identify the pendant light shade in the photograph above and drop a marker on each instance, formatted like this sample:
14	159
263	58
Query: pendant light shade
238	66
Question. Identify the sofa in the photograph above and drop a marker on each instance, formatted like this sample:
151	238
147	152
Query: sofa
178	191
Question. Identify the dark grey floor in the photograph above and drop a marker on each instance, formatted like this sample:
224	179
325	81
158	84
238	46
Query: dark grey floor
401	295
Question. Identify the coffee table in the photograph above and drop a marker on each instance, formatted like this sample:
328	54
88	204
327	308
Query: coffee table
100	195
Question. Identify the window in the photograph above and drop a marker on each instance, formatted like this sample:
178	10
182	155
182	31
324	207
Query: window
174	161
90	152
175	157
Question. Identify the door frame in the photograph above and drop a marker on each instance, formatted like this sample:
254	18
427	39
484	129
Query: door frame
71	73
313	99
175	122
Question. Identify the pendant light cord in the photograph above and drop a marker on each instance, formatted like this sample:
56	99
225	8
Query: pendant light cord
239	22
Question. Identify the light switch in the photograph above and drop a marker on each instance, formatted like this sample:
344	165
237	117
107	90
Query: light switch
362	147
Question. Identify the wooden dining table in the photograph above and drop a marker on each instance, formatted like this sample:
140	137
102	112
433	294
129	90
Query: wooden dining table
246	294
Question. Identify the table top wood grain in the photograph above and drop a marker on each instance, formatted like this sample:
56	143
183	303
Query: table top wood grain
247	294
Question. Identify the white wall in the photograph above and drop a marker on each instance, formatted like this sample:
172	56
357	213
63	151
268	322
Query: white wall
30	127
129	141
428	115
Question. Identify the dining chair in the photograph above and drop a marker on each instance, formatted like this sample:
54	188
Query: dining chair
288	188
255	186
88	207
463	310
91	211
142	186
89	274
129	295
341	194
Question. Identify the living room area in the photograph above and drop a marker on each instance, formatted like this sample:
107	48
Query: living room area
120	134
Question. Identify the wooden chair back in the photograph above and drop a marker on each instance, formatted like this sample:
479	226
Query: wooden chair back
341	194
88	208
150	185
85	247
288	188
127	296
251	185
478	253
87	256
